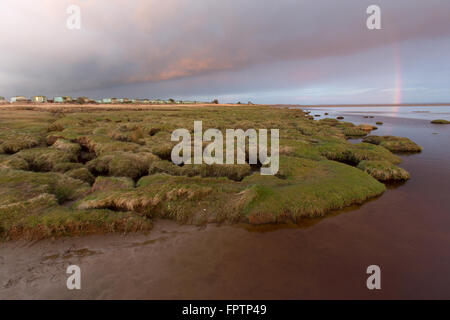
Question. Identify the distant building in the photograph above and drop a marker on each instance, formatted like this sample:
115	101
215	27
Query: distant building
64	99
39	99
19	99
83	100
142	101
107	100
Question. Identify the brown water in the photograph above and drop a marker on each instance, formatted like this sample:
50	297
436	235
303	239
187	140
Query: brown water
406	232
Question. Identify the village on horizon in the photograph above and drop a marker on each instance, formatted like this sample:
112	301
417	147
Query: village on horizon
86	100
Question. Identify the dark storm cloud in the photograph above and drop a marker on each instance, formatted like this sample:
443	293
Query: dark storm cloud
204	47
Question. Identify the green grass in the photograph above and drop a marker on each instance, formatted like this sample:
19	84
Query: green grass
45	159
110	171
43	218
18	185
384	171
440	121
112	184
354	132
394	144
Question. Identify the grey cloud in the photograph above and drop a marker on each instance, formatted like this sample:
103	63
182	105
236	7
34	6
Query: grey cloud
178	45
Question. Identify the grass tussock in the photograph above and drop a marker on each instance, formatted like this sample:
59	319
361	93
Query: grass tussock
18	185
13	144
45	159
112	184
234	172
355	153
394	144
354	132
82	174
45	219
122	164
440	121
384	171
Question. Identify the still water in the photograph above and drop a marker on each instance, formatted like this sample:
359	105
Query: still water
406	231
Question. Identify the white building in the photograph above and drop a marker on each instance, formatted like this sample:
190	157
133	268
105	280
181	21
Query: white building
19	99
39	99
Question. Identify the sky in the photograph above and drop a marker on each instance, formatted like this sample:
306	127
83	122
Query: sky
274	52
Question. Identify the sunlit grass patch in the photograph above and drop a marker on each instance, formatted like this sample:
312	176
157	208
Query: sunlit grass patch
384	171
394	144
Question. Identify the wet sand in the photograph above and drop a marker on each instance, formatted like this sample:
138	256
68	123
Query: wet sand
406	232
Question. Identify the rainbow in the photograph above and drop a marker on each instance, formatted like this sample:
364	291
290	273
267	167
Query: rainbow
398	77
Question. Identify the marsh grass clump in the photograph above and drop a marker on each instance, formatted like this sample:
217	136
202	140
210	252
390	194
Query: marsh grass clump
17	142
384	171
82	174
354	153
65	145
127	133
44	219
154	131
394	144
163	151
163	166
15	163
329	121
55	127
354	132
440	121
305	191
234	172
310	189
122	164
18	185
367	127
67	166
102	145
112	184
44	159
184	199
